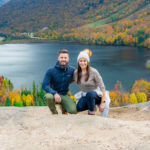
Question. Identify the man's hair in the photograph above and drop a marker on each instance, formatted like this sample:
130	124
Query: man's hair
64	51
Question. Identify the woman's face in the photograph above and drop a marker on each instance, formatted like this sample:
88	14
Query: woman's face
83	63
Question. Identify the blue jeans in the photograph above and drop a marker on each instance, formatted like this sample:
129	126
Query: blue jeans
89	101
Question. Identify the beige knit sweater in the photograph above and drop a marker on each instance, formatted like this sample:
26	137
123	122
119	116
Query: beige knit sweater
94	81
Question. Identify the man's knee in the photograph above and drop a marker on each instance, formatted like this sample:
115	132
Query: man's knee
72	111
48	97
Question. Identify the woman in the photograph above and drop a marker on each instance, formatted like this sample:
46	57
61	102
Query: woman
92	87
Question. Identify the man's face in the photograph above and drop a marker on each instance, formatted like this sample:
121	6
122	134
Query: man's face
63	59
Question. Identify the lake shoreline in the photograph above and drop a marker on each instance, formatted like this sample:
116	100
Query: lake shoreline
28	41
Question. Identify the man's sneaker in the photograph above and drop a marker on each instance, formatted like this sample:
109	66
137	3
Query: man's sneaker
63	110
91	113
54	112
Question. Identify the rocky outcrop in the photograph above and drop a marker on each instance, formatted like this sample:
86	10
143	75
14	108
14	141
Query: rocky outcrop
35	128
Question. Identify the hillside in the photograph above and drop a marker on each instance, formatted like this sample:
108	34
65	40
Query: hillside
31	15
88	21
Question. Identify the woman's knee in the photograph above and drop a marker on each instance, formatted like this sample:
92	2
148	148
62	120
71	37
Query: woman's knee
79	107
91	95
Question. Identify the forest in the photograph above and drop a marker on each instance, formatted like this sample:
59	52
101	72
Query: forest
101	22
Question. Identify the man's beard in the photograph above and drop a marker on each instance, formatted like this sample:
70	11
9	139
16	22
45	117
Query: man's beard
63	63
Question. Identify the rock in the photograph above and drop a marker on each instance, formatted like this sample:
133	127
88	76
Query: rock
35	128
148	64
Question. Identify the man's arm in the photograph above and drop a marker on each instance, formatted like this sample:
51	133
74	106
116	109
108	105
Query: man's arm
46	86
46	83
73	76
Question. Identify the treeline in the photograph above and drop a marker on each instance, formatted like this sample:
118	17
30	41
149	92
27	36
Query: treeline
10	37
139	92
126	32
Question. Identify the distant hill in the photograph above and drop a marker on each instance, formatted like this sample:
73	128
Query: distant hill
2	2
90	21
31	15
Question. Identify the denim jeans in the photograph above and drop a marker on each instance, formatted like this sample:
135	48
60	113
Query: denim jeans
89	102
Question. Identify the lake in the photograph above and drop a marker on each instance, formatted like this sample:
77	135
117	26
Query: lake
23	63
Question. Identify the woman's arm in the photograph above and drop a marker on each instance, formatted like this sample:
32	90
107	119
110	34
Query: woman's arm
100	84
99	81
102	105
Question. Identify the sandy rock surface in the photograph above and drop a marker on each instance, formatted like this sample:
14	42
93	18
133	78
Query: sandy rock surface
35	128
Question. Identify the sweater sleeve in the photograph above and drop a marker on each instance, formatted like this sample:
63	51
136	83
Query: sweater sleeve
99	81
46	83
74	75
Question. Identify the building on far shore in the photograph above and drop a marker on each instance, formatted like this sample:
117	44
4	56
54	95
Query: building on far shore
28	34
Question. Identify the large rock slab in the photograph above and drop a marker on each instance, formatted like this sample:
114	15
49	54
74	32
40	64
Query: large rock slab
35	128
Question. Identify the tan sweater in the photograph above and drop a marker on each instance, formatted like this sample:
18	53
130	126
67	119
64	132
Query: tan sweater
94	81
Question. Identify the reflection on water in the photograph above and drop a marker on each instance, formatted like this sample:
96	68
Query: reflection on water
23	63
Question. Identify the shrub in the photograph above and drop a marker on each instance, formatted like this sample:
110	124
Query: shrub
141	97
133	99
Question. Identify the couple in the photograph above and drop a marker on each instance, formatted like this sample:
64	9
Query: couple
56	85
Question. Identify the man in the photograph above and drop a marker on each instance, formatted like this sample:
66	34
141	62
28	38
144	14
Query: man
56	83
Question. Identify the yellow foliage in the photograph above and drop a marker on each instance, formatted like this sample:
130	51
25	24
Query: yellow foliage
14	97
29	100
24	98
141	97
133	99
2	91
17	98
73	98
116	103
5	83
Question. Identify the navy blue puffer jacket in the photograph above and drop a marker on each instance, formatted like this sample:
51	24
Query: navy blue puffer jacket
57	79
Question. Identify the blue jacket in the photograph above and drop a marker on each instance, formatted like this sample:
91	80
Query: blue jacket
57	79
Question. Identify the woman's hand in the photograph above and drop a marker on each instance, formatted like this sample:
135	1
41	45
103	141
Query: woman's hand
102	106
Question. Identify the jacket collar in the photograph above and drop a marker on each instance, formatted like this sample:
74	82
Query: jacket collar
58	66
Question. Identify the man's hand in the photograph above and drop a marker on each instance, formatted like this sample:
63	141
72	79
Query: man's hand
57	98
102	106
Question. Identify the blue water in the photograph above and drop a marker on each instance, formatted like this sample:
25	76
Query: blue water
23	63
